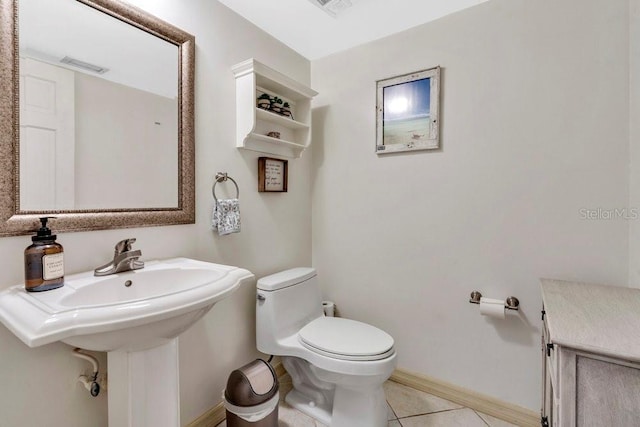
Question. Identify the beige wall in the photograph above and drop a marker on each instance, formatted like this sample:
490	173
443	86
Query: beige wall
126	146
634	140
534	125
38	385
276	228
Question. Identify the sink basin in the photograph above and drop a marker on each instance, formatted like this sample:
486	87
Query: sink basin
125	288
136	317
127	311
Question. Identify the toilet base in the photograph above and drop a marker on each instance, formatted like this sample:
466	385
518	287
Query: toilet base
351	408
300	402
359	408
336	400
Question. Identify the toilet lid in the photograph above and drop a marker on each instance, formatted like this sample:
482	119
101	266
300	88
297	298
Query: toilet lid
346	339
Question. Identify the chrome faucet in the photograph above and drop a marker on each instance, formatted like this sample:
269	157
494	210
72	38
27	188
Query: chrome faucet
124	259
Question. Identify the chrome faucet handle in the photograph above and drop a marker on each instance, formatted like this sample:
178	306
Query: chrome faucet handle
124	245
127	255
124	259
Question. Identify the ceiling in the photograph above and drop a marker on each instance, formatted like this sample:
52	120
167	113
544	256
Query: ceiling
314	33
50	31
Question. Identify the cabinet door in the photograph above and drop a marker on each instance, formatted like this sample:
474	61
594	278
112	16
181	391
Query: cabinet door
607	393
547	388
549	400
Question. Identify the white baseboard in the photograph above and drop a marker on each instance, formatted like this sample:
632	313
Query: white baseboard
280	371
488	405
511	413
211	418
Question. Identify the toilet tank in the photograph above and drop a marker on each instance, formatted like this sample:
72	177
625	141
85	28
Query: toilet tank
286	301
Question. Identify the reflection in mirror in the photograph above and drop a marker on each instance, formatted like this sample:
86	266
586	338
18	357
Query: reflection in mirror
98	111
107	95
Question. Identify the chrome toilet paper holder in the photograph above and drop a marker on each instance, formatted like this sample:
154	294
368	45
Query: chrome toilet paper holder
511	303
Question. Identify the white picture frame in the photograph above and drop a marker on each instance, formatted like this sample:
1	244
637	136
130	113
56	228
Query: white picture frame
407	112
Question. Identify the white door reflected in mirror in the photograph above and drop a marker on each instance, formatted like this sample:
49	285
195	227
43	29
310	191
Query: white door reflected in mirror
47	132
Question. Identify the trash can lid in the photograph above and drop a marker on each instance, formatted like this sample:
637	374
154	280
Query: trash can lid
252	384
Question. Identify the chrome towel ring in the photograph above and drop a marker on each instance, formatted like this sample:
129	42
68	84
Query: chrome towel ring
221	177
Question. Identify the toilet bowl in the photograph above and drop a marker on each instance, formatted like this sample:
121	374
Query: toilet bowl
337	365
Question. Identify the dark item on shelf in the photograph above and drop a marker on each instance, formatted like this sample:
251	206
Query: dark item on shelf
286	110
276	105
264	101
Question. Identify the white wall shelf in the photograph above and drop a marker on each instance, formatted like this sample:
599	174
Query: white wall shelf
268	116
253	124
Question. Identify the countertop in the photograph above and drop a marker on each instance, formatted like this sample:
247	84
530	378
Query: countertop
595	318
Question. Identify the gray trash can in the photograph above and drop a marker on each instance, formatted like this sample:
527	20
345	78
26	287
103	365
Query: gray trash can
251	397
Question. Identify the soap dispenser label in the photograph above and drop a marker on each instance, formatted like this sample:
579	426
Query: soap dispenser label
53	266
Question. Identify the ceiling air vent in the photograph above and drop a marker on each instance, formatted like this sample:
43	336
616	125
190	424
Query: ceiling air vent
333	7
84	65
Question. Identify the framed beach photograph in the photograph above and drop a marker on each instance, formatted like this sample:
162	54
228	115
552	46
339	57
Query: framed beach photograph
407	112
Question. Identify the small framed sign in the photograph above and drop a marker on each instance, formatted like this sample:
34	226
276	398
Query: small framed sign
272	175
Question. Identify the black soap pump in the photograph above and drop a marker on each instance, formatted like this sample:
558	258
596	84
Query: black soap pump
43	261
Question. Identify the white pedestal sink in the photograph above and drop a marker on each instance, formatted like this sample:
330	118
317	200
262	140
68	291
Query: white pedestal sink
136	317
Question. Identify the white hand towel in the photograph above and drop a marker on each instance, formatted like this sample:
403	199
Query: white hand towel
226	216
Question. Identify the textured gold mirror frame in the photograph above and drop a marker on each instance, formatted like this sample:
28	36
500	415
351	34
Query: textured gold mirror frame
15	222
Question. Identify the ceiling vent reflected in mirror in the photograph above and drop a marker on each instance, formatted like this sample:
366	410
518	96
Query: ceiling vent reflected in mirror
333	7
84	65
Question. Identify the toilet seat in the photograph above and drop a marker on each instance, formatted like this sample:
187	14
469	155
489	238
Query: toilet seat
346	339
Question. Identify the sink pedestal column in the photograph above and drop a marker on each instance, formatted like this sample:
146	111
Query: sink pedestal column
144	388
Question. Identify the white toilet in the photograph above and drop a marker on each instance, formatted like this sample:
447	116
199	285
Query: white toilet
337	365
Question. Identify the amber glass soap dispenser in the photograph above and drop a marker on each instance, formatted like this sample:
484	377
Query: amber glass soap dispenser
43	261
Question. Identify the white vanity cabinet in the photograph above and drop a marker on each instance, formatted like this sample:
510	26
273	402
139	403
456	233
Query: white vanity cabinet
591	355
256	127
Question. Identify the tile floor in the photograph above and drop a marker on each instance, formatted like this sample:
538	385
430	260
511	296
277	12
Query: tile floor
407	408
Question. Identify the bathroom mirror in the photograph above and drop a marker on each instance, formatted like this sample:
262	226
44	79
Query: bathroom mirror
96	119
